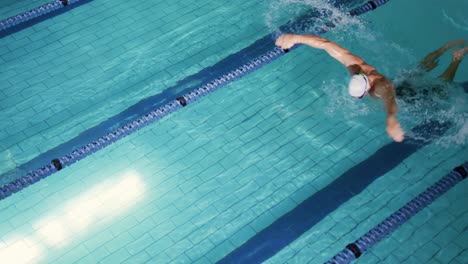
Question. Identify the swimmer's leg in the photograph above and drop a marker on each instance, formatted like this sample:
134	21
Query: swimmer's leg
431	60
457	57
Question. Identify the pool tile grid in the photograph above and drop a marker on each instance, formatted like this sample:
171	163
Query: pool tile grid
219	248
229	77
366	207
222	248
410	209
81	58
427	241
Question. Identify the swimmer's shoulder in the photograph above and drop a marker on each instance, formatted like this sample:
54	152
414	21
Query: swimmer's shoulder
379	86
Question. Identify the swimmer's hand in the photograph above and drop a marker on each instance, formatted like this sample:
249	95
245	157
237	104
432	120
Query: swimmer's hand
286	41
394	129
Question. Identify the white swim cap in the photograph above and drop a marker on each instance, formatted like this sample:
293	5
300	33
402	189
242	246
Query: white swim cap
358	85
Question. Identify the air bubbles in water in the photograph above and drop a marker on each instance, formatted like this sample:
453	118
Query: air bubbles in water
340	103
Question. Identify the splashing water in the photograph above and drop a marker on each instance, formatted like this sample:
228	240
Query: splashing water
433	99
340	102
314	14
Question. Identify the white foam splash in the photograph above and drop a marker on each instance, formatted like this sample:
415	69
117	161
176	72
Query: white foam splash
435	100
340	103
282	11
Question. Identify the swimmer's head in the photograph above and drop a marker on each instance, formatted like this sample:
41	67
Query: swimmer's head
358	85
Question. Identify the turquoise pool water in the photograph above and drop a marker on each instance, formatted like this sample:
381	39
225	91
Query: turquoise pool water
197	185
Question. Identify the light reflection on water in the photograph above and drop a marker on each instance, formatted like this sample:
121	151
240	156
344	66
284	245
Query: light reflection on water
75	218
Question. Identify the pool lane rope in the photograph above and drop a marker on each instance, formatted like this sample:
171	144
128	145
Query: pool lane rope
386	227
153	116
34	13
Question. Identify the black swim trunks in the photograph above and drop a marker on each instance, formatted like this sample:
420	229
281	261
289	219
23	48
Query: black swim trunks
411	90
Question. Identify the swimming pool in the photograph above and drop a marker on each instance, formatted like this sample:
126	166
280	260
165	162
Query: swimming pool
199	184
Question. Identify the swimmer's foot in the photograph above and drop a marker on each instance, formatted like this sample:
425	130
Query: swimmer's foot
457	42
431	60
459	54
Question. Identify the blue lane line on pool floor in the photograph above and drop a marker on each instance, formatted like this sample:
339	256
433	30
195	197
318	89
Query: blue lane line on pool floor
293	224
32	22
183	86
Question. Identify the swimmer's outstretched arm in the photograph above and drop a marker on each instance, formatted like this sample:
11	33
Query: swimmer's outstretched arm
342	55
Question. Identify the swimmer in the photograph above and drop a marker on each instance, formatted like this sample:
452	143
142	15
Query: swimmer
365	79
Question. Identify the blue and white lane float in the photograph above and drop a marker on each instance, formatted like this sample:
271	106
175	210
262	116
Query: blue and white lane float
386	227
34	13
